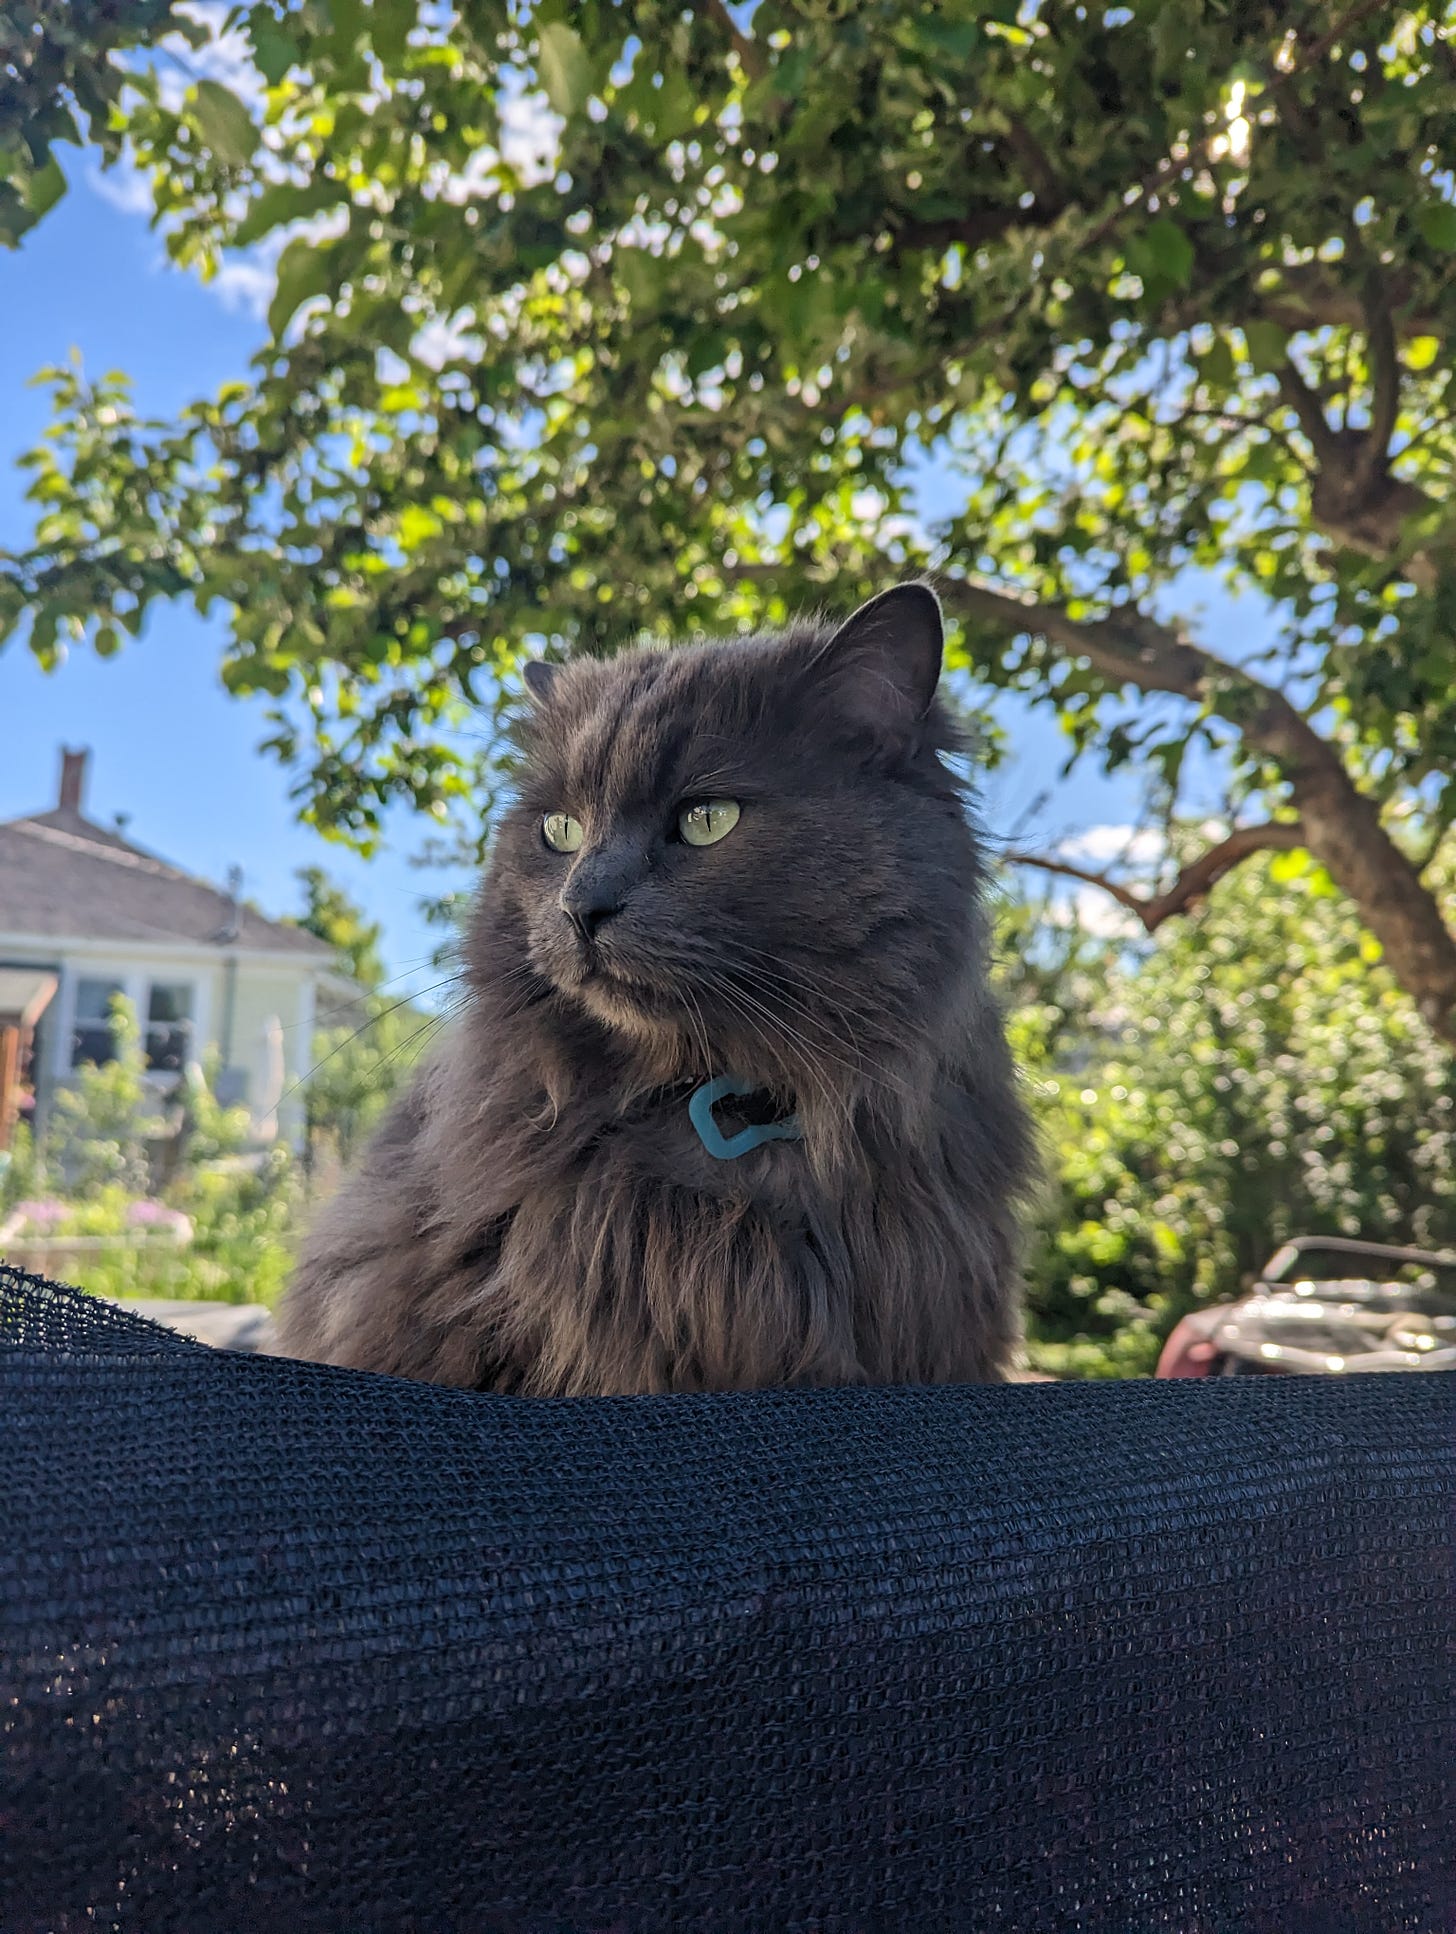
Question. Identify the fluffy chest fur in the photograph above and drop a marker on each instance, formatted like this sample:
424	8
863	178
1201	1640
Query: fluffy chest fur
633	1260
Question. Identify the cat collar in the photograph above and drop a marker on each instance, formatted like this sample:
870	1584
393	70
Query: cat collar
727	1148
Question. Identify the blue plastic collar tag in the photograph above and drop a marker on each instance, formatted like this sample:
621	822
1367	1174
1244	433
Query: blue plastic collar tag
727	1148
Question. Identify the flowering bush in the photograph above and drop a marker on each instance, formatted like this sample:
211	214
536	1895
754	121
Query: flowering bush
222	1228
109	1213
38	1218
157	1218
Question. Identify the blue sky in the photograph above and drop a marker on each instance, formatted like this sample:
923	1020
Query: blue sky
170	747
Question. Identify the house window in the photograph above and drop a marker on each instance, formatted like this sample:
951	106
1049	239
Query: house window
169	1026
92	1036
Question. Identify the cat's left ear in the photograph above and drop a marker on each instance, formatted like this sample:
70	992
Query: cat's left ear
884	662
539	677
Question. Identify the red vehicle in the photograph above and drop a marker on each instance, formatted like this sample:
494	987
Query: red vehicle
1307	1317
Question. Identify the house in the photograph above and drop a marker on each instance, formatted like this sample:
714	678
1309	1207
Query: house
85	915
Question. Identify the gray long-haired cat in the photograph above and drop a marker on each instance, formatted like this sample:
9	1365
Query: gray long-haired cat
729	1103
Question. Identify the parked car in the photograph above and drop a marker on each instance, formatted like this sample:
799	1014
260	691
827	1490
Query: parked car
1307	1316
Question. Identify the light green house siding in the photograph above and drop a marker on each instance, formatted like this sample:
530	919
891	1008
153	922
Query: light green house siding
264	1029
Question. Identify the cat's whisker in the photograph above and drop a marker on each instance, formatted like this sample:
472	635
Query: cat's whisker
860	1066
701	1031
815	985
423	1036
720	971
363	1028
833	1099
736	1001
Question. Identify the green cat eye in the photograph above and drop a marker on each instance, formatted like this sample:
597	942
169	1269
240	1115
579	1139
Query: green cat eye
707	821
561	832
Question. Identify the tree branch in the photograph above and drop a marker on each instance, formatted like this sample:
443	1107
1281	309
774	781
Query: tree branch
986	223
1125	646
1306	297
1308	57
1041	176
1324	438
1384	384
1342	825
750	54
1193	883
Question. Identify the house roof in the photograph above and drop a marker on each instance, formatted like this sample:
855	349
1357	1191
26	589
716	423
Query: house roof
63	877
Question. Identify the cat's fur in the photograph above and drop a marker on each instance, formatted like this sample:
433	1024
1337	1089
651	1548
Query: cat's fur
537	1213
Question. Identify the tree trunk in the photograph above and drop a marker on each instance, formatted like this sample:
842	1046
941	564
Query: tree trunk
1344	833
1342	824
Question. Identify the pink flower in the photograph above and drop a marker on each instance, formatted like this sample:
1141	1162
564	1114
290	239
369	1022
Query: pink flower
153	1215
43	1215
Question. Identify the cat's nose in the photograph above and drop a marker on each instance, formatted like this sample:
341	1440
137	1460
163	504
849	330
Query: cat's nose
588	905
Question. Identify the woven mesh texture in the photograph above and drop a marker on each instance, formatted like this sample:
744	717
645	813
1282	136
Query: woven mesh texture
292	1648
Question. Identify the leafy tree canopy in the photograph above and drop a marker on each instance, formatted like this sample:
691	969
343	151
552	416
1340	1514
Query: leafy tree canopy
334	917
60	81
593	317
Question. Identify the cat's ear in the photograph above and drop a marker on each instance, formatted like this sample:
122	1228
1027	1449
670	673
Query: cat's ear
884	663
539	677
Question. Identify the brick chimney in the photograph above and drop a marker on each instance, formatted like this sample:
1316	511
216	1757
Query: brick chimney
73	778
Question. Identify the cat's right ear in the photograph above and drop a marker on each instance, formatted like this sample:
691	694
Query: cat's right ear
883	664
539	677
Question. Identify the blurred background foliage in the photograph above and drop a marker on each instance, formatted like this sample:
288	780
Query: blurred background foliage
1250	1076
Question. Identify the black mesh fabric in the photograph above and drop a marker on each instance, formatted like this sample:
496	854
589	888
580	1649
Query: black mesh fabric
294	1648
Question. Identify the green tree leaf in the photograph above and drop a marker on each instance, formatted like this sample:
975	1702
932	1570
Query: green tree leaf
304	270
1436	221
391	23
1163	250
1268	344
565	70
273	50
285	203
45	189
1216	367
224	123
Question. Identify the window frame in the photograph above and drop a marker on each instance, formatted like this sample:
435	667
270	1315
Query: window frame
116	984
136	984
186	1027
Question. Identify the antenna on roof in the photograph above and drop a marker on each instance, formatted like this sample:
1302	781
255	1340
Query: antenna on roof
232	926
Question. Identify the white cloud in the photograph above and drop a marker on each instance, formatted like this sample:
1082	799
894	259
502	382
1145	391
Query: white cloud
124	186
246	282
1091	909
1096	912
224	57
1103	848
1138	846
245	285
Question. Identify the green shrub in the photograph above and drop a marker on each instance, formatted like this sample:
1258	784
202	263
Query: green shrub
1252	1074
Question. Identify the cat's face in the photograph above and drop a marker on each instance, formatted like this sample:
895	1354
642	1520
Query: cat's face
753	847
